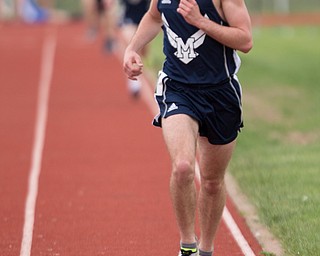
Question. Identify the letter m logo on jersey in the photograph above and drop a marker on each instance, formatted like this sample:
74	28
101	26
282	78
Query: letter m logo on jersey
185	50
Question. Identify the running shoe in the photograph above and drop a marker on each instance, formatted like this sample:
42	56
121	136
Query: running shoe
109	45
134	87
188	252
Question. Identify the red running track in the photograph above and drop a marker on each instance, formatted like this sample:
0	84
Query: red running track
103	169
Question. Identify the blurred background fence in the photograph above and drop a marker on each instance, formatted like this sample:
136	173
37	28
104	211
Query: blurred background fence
254	6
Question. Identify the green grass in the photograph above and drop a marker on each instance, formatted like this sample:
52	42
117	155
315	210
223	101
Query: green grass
277	158
277	161
73	7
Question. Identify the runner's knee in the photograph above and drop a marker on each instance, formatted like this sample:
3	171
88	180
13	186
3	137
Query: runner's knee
183	171
212	186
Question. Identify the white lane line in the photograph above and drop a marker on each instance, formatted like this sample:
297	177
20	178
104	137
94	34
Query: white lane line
48	52
235	231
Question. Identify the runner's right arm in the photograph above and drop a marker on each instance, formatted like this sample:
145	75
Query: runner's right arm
148	29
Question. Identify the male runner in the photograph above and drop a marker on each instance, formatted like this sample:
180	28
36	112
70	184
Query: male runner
199	97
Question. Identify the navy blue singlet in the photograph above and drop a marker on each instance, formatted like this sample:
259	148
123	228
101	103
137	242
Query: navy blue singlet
192	57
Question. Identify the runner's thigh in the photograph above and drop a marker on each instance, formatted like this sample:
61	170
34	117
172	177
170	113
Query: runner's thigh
214	159
180	134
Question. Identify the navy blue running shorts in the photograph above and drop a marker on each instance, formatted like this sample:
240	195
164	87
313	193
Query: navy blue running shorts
217	108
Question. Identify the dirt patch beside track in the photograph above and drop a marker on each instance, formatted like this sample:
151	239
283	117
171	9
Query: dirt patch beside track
286	19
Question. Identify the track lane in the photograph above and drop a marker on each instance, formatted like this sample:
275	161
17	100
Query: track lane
91	187
19	76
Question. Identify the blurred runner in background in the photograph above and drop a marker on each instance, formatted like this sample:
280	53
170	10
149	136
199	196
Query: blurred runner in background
132	13
31	11
100	17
